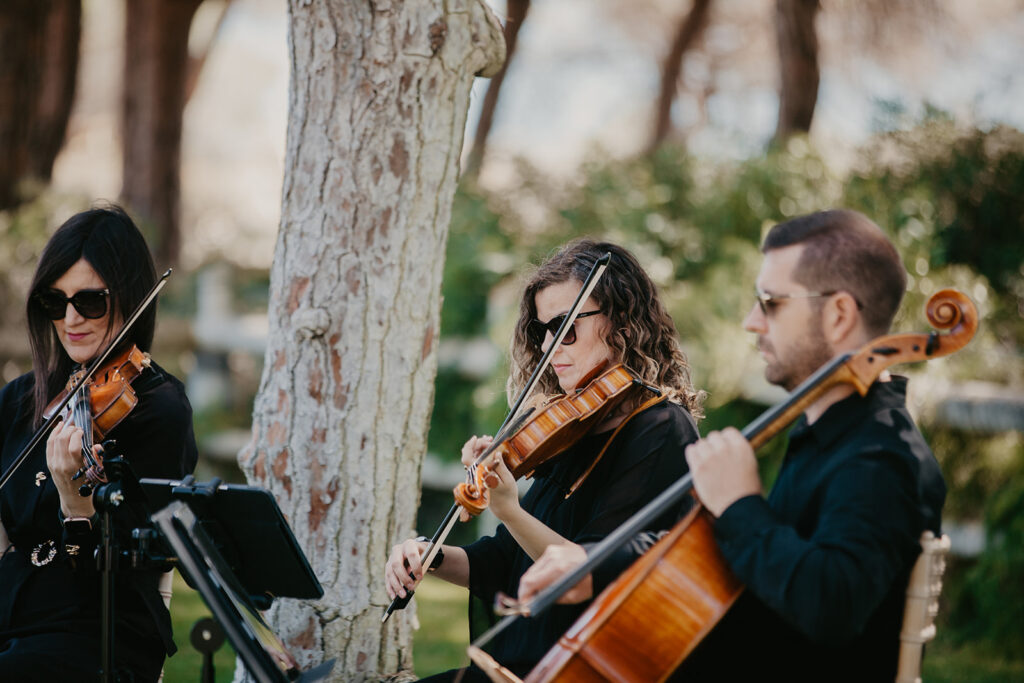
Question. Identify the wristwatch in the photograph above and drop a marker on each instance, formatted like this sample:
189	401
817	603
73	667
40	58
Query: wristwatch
78	525
438	559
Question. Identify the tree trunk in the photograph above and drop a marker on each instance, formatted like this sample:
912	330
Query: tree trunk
516	11
690	29
378	97
39	52
798	65
155	73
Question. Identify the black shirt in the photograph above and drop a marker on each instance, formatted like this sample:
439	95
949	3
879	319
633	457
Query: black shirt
826	558
60	600
644	458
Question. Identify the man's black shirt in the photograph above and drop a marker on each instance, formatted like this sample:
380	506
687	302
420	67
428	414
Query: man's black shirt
827	556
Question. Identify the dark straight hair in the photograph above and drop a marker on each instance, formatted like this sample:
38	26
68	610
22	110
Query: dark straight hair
110	242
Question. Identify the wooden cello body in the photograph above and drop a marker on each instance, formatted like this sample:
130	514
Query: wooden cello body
684	575
654	615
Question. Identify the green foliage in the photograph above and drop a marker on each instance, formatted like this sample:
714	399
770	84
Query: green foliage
954	200
951	199
23	233
472	264
988	605
967	185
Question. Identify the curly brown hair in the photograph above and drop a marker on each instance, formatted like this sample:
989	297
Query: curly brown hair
642	335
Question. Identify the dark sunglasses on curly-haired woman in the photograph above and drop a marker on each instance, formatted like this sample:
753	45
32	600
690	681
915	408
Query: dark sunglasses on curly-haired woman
536	330
90	303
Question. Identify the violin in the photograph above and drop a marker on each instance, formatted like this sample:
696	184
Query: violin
683	583
475	492
56	407
99	405
548	432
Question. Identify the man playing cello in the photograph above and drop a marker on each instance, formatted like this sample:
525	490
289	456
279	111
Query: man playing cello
827	555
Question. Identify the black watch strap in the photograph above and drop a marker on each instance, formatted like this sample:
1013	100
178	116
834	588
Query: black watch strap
438	558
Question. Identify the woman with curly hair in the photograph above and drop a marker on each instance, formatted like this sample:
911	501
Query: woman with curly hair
626	460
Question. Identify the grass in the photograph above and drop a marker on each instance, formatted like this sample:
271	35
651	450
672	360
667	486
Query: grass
440	643
187	664
947	662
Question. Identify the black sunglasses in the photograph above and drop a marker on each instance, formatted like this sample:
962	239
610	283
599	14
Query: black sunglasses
90	303
767	301
536	330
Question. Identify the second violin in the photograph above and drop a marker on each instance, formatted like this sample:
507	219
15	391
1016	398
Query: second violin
548	431
607	466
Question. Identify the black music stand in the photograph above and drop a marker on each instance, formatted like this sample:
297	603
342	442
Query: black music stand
203	566
248	531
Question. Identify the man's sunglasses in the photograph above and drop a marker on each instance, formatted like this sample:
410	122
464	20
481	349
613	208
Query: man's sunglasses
536	330
767	301
90	303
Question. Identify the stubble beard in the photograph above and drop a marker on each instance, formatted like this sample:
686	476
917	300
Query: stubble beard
800	361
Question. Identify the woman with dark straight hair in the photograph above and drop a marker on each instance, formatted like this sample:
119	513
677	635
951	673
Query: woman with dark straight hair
92	274
584	493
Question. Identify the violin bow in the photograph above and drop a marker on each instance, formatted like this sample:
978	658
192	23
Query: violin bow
512	422
947	309
93	367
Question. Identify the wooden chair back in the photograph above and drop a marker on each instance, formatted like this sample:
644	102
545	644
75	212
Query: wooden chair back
921	606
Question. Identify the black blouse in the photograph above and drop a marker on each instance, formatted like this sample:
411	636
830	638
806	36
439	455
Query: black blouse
644	458
61	598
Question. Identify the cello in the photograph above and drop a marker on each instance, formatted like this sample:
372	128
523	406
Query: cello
683	582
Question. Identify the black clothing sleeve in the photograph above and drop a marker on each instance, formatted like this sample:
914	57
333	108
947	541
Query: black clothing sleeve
826	557
828	585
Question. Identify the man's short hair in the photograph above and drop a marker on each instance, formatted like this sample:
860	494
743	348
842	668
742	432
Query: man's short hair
845	251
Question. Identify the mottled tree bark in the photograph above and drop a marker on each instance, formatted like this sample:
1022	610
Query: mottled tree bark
39	55
377	107
690	29
798	65
516	15
155	74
